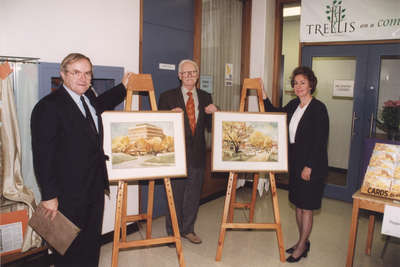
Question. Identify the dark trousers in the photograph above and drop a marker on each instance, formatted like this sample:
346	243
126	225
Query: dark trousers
85	249
186	197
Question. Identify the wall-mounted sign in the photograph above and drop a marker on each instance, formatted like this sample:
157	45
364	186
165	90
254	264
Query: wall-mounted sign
343	88
228	74
349	20
165	66
206	83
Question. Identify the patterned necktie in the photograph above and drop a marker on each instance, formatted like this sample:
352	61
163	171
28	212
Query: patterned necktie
191	112
89	117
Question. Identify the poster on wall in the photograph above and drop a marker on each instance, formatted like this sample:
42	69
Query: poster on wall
228	74
349	20
206	83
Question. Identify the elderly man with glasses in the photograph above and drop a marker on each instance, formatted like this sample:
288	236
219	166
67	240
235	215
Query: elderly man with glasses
197	107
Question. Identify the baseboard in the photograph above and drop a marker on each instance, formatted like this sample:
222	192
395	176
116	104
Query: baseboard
339	170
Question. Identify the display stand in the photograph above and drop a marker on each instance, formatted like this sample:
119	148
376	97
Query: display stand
142	83
230	198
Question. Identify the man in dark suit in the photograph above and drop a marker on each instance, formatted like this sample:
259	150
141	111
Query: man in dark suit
69	161
197	107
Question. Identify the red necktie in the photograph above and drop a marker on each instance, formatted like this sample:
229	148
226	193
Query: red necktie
191	112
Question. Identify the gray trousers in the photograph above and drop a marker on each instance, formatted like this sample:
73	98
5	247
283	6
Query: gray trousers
186	197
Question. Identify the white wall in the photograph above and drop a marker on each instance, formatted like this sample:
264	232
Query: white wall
106	31
290	50
262	45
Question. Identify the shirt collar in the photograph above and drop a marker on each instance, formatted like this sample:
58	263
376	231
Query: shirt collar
185	91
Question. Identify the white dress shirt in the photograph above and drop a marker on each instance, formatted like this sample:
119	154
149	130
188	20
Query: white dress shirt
294	122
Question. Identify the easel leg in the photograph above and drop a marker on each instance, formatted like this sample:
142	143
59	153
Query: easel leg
277	217
123	213
150	201
233	199
174	220
253	197
117	226
224	217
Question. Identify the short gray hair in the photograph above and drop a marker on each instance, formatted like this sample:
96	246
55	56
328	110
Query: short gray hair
72	58
188	61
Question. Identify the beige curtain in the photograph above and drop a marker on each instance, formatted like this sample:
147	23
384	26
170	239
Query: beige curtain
221	45
12	186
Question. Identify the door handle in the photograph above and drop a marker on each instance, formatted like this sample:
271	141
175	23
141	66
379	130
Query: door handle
353	123
371	124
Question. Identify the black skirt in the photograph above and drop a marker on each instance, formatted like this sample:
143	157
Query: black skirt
303	194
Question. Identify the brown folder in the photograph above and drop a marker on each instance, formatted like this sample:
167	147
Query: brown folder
59	233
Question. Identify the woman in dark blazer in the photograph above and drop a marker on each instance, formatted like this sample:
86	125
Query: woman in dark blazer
308	126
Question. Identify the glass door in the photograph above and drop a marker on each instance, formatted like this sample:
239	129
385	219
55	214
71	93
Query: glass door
369	73
335	66
383	85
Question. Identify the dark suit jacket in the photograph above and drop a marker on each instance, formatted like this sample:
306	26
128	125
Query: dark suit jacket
311	137
195	145
68	157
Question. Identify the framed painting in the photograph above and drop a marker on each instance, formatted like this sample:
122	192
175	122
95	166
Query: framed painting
144	145
249	142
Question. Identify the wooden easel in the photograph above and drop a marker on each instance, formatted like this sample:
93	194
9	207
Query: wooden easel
230	198
142	83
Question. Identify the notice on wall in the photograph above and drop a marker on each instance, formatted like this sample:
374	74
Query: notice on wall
391	221
206	83
165	66
343	88
228	74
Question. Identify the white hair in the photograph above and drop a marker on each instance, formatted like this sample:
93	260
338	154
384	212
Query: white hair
188	61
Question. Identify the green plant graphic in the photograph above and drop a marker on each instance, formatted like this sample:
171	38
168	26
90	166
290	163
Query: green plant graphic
335	12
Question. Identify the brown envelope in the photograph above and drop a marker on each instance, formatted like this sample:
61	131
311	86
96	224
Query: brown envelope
59	233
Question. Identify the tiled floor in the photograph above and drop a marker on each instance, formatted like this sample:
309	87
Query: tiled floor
244	248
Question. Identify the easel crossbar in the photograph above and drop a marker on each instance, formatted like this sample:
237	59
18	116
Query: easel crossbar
147	242
250	226
134	218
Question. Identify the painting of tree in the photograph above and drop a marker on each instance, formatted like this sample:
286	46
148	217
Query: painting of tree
249	141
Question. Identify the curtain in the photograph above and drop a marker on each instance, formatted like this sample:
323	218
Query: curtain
221	41
12	185
26	96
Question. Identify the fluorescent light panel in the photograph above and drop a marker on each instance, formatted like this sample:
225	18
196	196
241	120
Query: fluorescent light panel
291	11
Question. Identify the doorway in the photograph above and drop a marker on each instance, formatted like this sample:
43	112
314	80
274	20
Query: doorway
353	118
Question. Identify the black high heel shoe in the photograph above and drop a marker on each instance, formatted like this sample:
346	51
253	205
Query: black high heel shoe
292	259
291	250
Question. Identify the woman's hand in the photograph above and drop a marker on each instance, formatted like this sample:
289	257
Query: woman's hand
264	95
125	79
306	173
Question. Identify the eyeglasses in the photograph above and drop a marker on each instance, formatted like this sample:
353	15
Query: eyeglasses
77	74
188	73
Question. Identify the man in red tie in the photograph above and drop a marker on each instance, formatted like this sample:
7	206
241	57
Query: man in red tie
197	107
